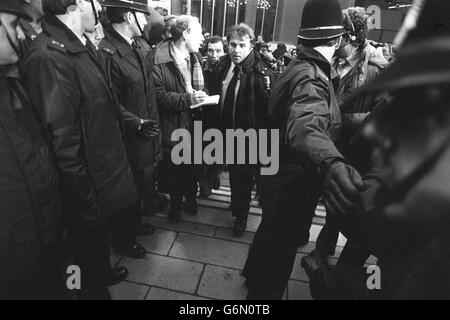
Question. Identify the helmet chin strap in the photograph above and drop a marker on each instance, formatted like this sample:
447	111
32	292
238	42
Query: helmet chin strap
94	11
137	22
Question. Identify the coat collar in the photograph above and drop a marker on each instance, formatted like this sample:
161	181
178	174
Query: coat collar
122	46
58	30
309	54
163	53
252	63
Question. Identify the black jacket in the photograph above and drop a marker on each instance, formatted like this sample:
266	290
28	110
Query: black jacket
251	107
132	82
304	107
30	34
30	204
69	89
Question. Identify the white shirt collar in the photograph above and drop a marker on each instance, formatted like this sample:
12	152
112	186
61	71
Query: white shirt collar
82	39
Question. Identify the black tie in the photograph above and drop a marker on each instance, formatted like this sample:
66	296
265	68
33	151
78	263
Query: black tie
229	101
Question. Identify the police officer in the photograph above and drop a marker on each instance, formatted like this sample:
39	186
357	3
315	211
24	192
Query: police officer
403	219
305	109
131	80
31	218
68	87
244	98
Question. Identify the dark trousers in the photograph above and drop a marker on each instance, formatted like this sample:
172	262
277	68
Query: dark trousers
287	199
241	184
90	247
124	225
182	181
353	254
146	183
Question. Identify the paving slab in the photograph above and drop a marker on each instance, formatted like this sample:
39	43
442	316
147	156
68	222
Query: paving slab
227	234
298	273
164	294
165	272
128	291
210	216
160	242
222	283
182	226
208	250
298	290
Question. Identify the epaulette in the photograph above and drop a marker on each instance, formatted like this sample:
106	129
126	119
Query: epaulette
108	51
57	46
322	75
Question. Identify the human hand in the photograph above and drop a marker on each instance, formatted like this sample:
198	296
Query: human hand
149	129
198	97
343	185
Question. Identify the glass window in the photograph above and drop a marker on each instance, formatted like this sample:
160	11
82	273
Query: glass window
219	10
242	10
265	18
231	6
270	11
196	8
207	15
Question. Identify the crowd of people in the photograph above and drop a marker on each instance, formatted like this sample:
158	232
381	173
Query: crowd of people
91	93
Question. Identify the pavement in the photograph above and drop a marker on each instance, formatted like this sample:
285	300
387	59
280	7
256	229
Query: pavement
199	259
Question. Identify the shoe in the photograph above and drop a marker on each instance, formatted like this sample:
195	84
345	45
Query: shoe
239	228
135	251
174	215
161	205
205	188
118	275
216	183
191	206
146	229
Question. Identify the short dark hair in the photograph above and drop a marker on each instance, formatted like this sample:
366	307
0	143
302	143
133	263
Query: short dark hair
215	39
56	7
116	15
318	42
241	30
182	24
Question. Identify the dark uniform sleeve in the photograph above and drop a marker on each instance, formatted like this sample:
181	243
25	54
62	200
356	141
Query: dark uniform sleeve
308	122
169	101
131	121
57	99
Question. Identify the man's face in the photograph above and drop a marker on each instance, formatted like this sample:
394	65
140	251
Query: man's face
345	49
194	37
239	48
97	36
138	18
215	51
88	15
9	26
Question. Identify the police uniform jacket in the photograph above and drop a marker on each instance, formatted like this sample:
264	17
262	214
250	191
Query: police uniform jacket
304	107
30	204
132	82
69	89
